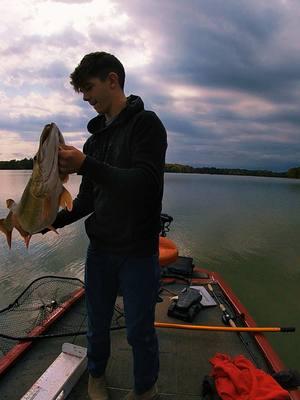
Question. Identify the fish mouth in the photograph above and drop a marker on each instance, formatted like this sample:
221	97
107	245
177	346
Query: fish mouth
44	136
45	158
46	133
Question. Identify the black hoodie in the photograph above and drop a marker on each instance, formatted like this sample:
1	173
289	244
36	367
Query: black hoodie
122	182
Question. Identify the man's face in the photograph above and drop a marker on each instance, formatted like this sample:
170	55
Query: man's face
98	94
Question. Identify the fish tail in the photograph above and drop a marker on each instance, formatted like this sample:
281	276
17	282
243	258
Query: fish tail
25	235
66	200
6	230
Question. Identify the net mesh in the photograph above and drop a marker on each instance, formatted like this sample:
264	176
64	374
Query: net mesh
34	306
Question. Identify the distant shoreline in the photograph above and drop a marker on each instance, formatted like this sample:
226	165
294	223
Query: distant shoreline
27	164
175	168
293	173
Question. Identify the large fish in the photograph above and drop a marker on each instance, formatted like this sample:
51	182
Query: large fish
44	193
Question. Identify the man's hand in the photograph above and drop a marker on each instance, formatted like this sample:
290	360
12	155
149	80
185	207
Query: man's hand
70	159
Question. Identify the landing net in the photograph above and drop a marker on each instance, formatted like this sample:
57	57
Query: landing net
50	306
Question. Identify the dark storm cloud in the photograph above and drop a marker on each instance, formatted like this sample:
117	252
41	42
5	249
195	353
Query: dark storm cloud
224	76
242	47
52	71
107	40
68	37
30	127
270	147
282	117
225	44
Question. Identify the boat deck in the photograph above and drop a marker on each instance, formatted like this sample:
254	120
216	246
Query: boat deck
184	355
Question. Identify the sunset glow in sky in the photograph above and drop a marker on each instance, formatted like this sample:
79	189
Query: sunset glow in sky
224	76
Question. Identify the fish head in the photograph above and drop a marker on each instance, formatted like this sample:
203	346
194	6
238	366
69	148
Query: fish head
50	140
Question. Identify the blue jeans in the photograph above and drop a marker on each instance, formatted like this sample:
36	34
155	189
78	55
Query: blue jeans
138	279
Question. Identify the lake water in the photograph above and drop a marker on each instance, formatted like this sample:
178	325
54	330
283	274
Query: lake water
246	228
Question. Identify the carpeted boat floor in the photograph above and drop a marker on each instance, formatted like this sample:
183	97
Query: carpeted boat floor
184	355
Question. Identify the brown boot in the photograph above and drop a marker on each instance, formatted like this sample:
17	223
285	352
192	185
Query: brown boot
151	394
97	388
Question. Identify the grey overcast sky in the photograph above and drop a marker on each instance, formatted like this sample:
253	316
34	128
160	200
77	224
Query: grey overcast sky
223	75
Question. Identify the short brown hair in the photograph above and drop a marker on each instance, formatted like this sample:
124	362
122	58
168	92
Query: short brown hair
96	65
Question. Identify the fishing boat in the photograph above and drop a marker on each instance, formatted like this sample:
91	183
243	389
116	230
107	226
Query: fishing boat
51	312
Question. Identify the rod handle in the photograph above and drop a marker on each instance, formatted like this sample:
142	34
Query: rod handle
288	329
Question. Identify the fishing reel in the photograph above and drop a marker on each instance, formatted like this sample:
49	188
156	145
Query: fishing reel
226	317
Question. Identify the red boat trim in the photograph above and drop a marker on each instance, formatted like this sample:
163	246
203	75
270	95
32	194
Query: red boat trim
10	358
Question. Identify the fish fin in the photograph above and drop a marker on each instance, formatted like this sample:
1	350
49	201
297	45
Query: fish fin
51	228
66	200
25	235
6	230
27	240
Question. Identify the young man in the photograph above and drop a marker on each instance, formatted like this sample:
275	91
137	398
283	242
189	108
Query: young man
122	166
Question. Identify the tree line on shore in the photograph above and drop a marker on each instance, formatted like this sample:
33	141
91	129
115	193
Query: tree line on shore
27	163
290	173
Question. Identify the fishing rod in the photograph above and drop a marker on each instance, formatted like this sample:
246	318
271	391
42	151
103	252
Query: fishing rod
228	319
162	325
222	328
